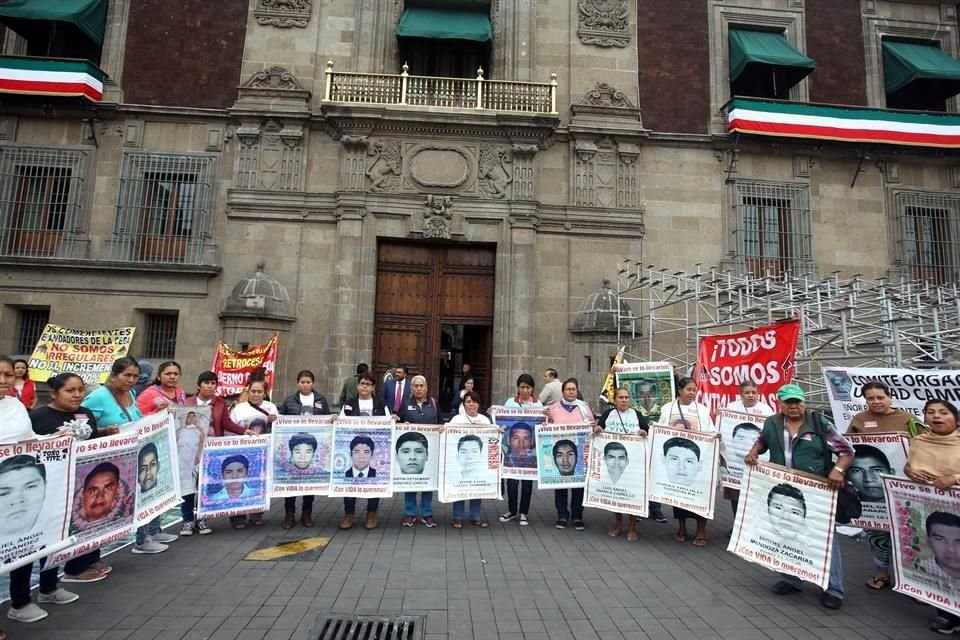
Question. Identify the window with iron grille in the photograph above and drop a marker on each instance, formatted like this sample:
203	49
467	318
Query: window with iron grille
928	232
41	192
771	228
29	328
161	338
163	208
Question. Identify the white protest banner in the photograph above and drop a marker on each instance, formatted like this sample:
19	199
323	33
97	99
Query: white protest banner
104	493
925	530
469	463
910	389
683	469
35	492
650	384
875	455
519	442
739	431
617	473
785	522
302	455
416	457
192	430
158	468
564	449
233	476
362	460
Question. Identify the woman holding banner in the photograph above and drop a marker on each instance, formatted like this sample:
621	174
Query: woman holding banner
256	414
523	400
471	415
305	402
365	403
23	388
570	410
421	409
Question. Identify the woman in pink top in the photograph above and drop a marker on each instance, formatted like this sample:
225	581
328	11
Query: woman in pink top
570	410
164	391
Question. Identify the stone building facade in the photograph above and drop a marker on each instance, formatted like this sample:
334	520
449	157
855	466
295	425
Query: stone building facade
279	147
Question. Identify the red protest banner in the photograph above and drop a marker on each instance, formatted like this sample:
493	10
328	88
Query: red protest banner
765	355
233	368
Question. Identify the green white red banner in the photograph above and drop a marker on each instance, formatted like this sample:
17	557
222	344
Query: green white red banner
46	76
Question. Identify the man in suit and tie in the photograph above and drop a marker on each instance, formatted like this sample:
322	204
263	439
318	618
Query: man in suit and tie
396	392
361	454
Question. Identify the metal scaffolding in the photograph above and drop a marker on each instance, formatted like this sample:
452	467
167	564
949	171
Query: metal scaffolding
845	321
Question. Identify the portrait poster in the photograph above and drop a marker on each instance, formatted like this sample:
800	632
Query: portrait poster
785	522
910	389
875	456
36	481
416	457
193	427
89	354
617	473
301	456
469	463
519	440
925	530
651	385
104	500
739	431
563	449
233	476
233	368
362	457
158	469
683	469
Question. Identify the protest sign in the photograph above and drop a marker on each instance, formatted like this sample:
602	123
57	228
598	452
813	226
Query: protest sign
233	476
158	469
192	428
925	530
765	356
89	354
910	389
875	455
683	469
469	463
301	455
651	385
104	493
739	431
519	441
35	492
785	522
416	457
233	368
362	457
617	473
564	449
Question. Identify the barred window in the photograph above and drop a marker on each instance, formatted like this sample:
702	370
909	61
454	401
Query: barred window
927	235
771	228
163	208
29	328
161	338
41	192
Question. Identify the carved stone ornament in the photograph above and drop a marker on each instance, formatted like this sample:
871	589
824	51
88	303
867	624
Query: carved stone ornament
495	174
283	13
604	95
384	165
437	219
273	79
605	23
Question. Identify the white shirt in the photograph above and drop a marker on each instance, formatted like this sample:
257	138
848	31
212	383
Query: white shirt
759	409
361	474
15	424
245	414
204	403
694	413
463	418
625	422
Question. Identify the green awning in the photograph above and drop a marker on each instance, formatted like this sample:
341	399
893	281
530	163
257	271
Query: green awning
445	24
90	16
770	49
906	62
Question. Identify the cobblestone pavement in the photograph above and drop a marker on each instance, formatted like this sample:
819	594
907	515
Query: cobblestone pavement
502	583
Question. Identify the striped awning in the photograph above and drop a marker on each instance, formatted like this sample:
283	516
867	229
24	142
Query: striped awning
51	76
848	124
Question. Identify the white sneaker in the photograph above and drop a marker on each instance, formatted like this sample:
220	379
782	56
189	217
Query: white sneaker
164	538
60	596
149	546
523	520
203	528
186	529
29	613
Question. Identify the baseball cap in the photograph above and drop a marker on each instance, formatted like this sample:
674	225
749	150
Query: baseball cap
791	392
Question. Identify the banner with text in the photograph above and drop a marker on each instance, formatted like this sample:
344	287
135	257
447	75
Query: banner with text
469	463
158	468
650	384
233	476
233	368
302	455
739	431
416	457
564	450
89	354
362	460
617	473
192	430
875	455
785	522
683	469
519	440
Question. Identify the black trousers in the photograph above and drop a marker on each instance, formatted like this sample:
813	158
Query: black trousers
350	505
526	492
20	583
576	503
290	504
81	563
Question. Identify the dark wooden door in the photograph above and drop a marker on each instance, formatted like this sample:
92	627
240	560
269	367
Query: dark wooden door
420	288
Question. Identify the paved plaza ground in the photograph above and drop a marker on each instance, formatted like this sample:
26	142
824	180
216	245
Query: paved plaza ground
502	583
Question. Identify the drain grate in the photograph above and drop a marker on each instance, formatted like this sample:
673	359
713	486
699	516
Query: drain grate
371	628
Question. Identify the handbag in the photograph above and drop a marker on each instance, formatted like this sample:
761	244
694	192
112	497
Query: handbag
849	505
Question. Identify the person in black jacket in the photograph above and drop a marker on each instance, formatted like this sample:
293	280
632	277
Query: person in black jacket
367	403
421	409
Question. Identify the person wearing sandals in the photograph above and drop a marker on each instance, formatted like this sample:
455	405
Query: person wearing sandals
523	400
471	415
420	409
622	418
934	458
256	414
365	403
570	410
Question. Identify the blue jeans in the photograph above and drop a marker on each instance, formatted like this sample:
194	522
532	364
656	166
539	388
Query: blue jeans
149	529
835	586
410	503
474	509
